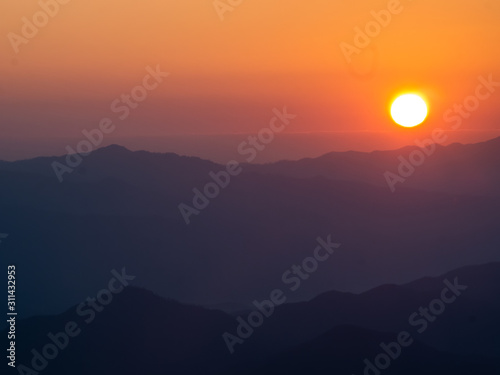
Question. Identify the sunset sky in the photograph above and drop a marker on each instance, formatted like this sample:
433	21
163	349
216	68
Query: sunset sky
227	75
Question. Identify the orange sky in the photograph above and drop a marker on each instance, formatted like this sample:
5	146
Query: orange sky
226	76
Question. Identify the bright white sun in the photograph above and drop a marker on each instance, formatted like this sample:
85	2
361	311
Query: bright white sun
409	110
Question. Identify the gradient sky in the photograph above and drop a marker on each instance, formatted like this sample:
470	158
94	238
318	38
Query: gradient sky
227	76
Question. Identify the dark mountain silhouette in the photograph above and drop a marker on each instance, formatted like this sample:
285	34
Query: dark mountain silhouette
139	332
459	169
343	350
120	208
467	326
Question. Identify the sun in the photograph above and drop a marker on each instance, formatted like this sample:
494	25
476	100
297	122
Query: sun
409	110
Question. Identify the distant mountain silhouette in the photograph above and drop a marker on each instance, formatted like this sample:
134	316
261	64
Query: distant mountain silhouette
120	208
458	169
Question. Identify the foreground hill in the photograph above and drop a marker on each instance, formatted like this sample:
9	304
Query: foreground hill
466	326
139	332
344	350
